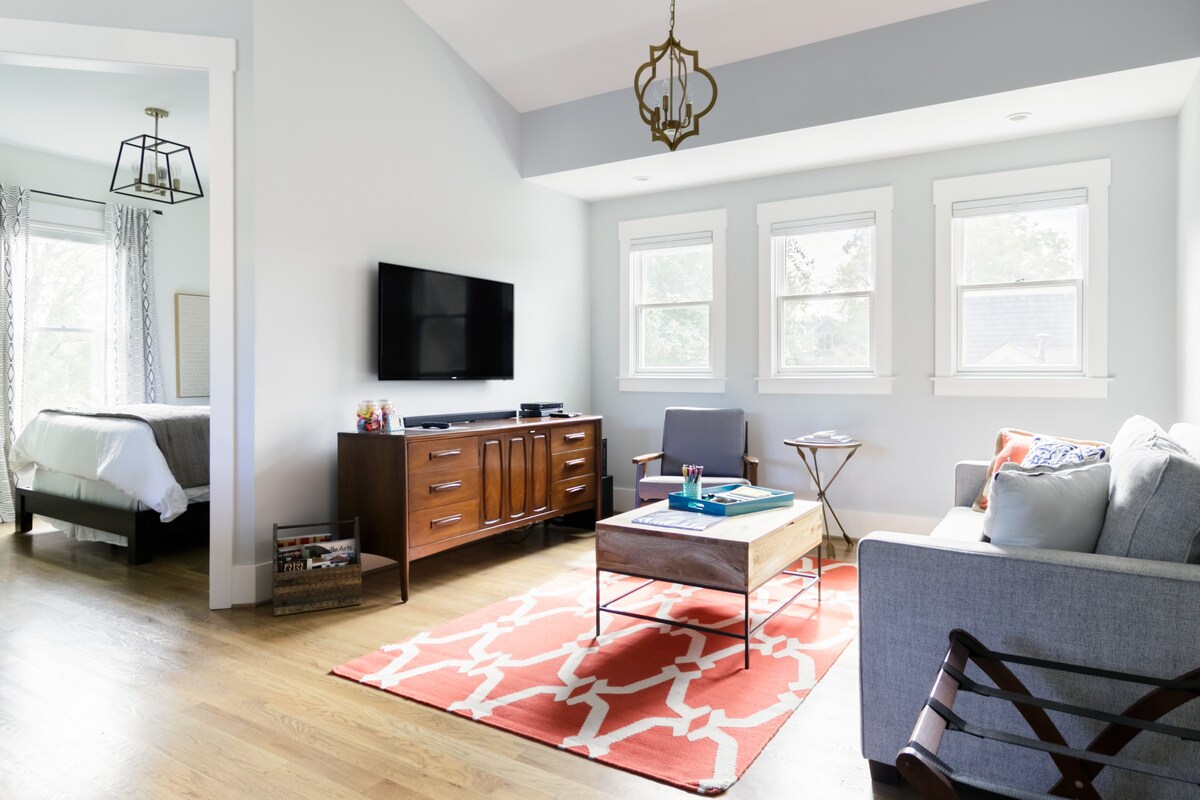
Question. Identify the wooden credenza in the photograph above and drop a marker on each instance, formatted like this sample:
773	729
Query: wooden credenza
424	491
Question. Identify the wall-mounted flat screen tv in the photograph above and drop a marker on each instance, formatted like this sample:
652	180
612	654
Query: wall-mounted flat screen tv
440	326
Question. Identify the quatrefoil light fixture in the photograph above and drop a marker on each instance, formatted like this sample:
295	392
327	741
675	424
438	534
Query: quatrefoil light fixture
667	92
155	168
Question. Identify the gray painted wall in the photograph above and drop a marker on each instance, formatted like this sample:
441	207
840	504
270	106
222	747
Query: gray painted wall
913	438
180	234
966	52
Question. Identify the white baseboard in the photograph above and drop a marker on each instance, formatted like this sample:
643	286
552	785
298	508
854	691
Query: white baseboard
858	523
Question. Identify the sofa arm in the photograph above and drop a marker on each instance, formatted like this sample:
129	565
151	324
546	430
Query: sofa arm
969	477
1115	613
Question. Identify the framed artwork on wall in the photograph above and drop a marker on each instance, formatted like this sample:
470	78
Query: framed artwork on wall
191	345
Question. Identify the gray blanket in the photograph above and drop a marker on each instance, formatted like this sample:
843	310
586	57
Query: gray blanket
180	431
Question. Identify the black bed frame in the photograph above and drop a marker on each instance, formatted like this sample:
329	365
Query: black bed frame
139	526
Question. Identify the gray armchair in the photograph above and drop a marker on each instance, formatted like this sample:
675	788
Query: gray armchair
714	438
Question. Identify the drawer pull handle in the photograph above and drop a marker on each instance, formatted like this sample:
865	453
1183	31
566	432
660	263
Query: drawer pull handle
437	523
445	487
445	453
571	437
575	462
575	489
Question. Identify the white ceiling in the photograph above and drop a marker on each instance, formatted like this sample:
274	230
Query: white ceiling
86	114
539	53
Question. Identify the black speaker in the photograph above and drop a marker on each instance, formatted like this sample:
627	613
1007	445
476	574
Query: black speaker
604	461
606	496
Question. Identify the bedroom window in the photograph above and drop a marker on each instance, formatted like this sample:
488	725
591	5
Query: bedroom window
673	318
825	313
64	318
1022	282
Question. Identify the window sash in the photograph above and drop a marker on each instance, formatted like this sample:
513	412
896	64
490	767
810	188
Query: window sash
637	248
1073	369
816	369
960	209
780	231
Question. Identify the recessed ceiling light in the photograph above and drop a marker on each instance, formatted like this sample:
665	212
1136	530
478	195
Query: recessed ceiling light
641	178
1019	116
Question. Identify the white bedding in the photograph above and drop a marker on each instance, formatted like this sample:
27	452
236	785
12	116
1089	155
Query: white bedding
120	452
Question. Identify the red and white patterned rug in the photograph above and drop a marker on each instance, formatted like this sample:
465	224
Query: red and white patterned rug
668	703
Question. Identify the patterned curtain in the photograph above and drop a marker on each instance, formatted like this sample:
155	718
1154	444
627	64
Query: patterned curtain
14	259
134	369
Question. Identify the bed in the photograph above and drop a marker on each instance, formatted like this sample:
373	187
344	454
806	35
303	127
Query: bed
123	475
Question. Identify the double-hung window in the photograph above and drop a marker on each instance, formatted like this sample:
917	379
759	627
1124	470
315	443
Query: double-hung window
64	310
1022	282
673	317
825	309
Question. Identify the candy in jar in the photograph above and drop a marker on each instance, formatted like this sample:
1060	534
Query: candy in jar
369	416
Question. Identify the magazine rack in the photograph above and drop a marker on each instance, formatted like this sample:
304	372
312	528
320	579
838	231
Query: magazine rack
934	778
316	589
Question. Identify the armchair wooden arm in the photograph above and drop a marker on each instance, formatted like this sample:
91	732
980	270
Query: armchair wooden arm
640	463
750	468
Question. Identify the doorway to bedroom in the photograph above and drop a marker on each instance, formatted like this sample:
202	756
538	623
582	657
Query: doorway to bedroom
195	74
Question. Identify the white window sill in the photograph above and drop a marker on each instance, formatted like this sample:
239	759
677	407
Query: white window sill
993	386
826	384
706	385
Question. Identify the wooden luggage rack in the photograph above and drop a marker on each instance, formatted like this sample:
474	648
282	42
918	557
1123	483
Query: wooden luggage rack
1078	768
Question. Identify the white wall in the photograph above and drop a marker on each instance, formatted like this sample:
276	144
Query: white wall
375	142
1189	257
903	474
180	234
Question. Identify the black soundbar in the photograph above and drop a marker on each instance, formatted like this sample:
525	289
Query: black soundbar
470	416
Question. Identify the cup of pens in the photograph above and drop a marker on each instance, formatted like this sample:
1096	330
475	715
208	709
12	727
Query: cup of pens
691	481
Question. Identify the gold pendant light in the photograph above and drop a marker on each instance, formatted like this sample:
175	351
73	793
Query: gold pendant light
666	101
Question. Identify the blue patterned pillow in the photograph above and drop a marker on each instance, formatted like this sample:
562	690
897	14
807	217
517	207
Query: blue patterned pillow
1050	452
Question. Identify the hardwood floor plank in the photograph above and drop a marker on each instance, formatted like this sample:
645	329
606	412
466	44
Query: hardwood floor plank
118	682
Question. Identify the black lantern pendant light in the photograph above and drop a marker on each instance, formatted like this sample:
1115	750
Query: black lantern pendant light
157	169
665	100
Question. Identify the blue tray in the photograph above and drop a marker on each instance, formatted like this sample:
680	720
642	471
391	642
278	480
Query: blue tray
710	503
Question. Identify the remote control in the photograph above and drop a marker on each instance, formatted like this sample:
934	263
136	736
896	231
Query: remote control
564	413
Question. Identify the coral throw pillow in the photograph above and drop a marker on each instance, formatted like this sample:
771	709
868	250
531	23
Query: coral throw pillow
1014	445
1011	445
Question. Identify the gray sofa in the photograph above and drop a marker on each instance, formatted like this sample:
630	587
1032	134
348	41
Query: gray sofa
1126	614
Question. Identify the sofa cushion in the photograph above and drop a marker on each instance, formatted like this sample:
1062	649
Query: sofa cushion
1154	505
1013	445
1056	509
961	524
1050	452
1187	436
1139	432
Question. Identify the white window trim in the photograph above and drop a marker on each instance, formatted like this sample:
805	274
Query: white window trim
1095	177
878	200
713	381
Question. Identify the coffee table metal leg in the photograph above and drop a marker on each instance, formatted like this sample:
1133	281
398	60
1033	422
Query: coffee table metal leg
597	604
746	624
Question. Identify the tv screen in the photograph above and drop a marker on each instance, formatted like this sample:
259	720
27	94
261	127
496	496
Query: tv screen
439	326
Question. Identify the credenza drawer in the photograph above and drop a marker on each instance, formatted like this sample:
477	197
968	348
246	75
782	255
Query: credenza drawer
572	437
441	454
432	489
572	464
573	491
442	522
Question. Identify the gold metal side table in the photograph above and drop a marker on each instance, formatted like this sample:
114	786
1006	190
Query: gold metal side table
848	448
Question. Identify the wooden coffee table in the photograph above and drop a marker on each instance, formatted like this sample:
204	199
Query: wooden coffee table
738	554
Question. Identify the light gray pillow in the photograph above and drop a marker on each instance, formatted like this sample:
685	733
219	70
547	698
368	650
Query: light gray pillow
1154	507
1138	433
1056	509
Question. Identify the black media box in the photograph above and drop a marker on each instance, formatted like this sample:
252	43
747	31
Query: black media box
539	409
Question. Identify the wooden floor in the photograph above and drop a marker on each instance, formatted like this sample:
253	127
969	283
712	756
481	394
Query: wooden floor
118	682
